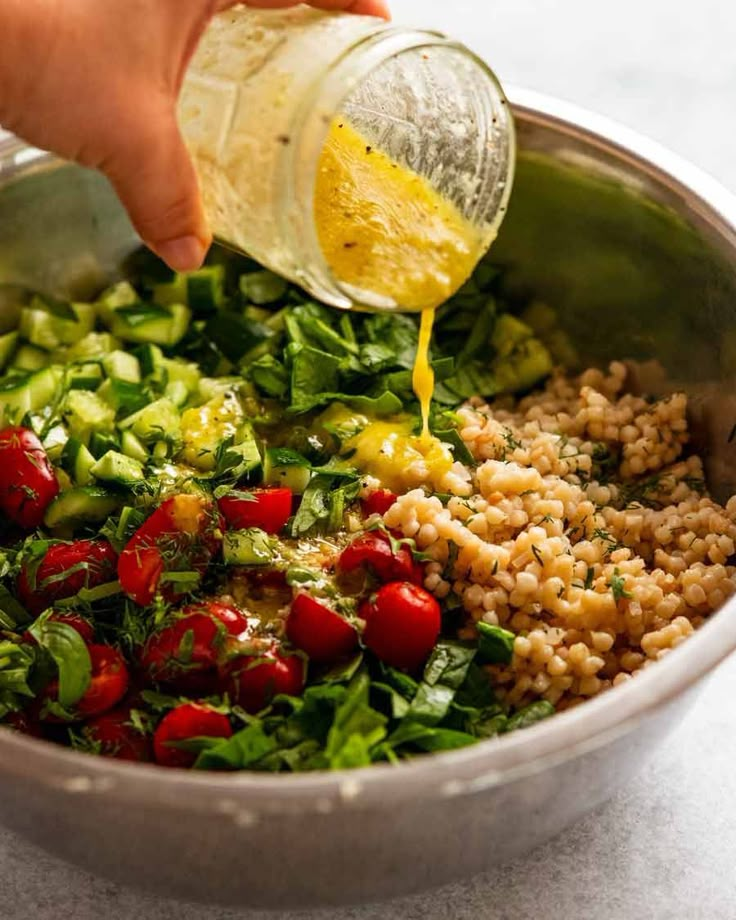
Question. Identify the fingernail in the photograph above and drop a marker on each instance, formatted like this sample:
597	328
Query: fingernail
183	255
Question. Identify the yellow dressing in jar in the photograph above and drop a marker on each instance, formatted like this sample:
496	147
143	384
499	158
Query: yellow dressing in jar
385	229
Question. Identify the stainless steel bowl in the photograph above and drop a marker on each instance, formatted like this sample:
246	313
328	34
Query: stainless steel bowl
638	251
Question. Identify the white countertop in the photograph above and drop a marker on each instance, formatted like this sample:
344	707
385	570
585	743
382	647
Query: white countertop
665	848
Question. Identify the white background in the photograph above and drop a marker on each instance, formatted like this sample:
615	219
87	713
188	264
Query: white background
665	848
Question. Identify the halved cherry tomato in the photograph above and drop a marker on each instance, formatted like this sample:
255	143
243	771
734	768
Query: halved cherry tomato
320	632
117	737
181	535
231	617
378	502
190	720
402	624
185	653
373	551
108	685
254	680
267	509
87	564
28	483
85	629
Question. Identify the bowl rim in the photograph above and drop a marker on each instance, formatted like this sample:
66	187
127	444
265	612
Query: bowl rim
490	763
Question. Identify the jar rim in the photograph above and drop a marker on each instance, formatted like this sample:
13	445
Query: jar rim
319	104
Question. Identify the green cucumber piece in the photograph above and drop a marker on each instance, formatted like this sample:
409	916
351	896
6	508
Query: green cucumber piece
55	442
39	326
206	289
150	358
179	371
170	292
124	397
86	376
262	287
249	547
122	294
85	412
102	441
94	345
27	393
160	421
82	505
122	365
30	358
116	468
78	461
133	447
149	323
8	343
287	468
177	392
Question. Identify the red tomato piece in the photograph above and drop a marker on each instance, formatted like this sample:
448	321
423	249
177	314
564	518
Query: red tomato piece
254	680
28	483
89	563
118	737
182	534
378	502
402	624
108	684
320	632
186	652
231	617
373	551
267	509
190	720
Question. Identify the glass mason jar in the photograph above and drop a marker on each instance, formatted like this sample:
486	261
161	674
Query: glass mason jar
262	92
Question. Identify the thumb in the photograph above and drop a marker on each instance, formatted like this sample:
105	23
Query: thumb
155	179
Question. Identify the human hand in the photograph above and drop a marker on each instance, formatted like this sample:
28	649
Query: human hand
97	82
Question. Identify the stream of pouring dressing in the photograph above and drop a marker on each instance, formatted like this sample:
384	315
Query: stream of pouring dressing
384	228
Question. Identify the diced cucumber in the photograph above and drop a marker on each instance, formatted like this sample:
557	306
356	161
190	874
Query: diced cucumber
102	441
8	343
248	547
39	326
177	392
206	289
133	447
94	345
55	442
124	397
209	387
28	393
77	460
85	376
30	358
203	290
284	467
150	358
171	292
117	469
262	287
122	365
160	421
119	295
149	323
183	372
82	505
84	413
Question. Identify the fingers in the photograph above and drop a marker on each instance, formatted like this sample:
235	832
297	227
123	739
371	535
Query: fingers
154	178
363	7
